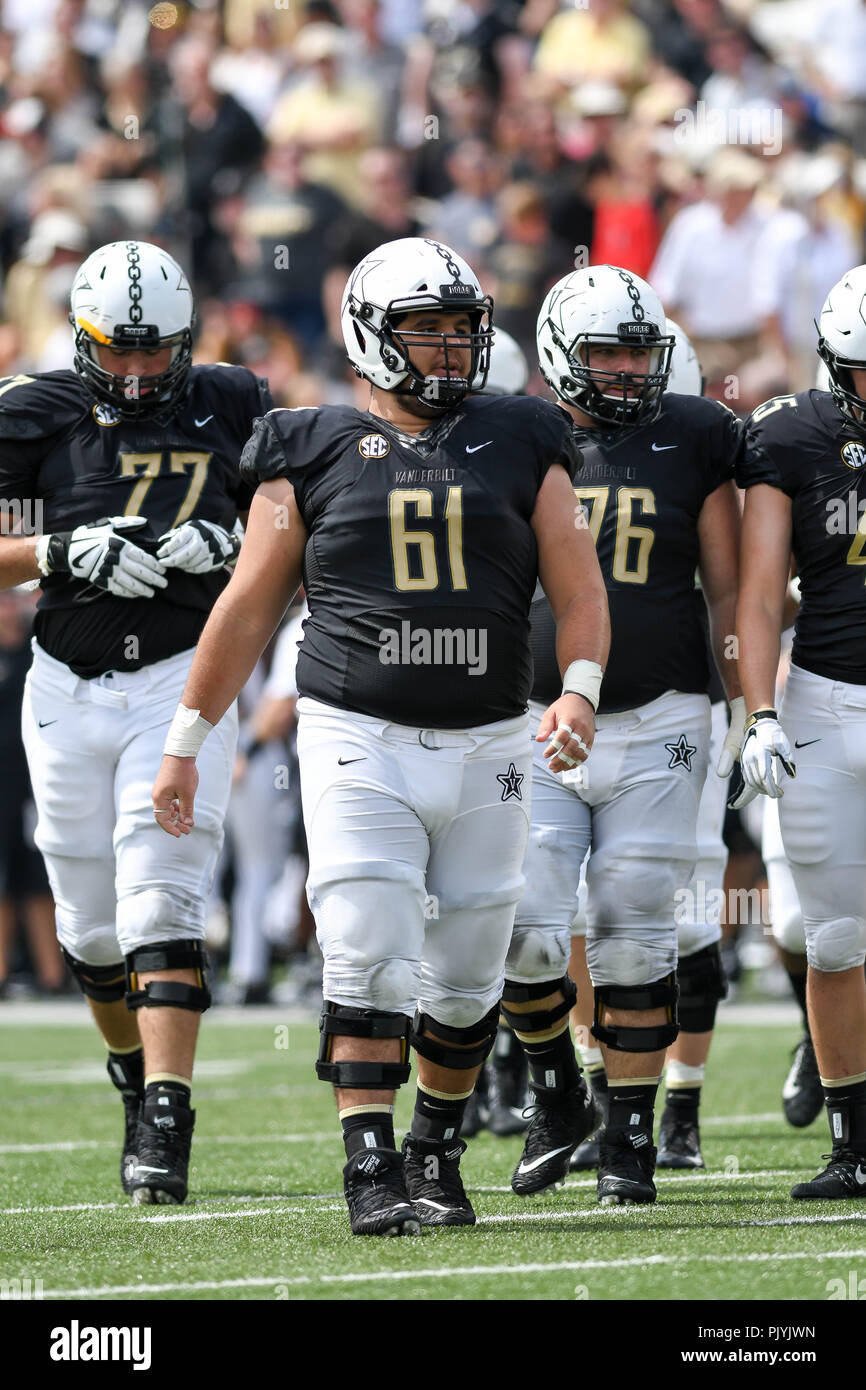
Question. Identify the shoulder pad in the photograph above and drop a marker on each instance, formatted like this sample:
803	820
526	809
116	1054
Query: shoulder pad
36	407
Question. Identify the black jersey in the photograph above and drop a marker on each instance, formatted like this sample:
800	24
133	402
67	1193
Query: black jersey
643	490
67	461
421	559
804	446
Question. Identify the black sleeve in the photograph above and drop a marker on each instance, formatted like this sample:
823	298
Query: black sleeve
760	459
553	432
283	444
724	443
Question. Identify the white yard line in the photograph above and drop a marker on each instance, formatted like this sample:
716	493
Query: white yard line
385	1276
65	1146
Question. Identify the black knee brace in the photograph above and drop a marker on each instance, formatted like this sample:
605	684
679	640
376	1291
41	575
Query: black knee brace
104	983
543	1019
703	983
455	1048
168	955
339	1020
653	1037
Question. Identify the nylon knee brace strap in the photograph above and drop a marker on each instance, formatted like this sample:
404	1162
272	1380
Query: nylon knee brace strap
702	984
174	994
542	1020
455	1049
104	983
341	1021
653	1036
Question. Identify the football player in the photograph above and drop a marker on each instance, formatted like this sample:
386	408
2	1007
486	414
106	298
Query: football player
421	524
697	916
605	350
803	468
132	461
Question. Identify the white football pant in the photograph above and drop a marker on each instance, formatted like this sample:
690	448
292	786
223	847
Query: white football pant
416	840
640	814
822	815
94	748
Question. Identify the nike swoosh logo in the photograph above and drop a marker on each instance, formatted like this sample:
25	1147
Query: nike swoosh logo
43	723
660	448
142	1168
428	1202
199	423
344	762
632	1182
536	1162
476	447
807	744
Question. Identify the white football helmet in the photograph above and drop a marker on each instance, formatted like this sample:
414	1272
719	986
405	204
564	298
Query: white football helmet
398	278
842	340
131	294
685	378
603	306
509	369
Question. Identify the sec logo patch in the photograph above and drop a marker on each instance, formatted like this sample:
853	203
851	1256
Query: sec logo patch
106	415
854	454
374	446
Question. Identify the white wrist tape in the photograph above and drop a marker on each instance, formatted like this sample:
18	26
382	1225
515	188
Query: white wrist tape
583	678
187	732
42	554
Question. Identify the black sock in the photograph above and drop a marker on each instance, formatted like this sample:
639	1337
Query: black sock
631	1106
553	1069
846	1111
798	986
374	1129
684	1102
126	1070
437	1117
172	1093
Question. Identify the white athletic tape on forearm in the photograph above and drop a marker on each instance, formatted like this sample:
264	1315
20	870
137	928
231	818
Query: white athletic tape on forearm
187	732
583	678
42	555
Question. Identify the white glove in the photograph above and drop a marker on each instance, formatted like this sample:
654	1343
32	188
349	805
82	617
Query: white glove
734	737
765	753
198	547
100	554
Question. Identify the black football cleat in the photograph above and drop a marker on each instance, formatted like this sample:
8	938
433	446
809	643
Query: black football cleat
843	1178
433	1181
625	1167
802	1093
123	1076
157	1172
554	1134
679	1143
132	1111
375	1190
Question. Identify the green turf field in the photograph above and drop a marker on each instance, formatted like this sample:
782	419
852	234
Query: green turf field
266	1219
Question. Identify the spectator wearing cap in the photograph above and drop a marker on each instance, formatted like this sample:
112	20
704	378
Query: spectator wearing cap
331	119
37	289
703	270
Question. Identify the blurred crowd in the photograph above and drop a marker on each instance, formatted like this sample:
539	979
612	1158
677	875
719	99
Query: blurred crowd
717	149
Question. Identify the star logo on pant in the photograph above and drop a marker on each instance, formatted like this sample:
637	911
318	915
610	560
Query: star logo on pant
681	753
512	780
